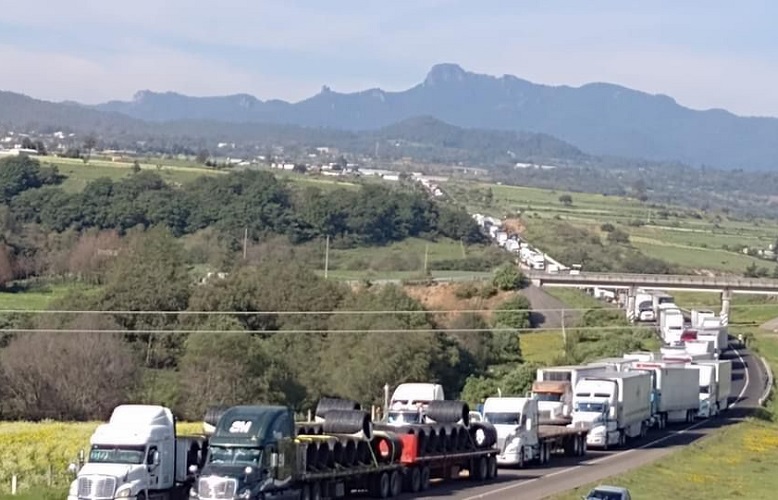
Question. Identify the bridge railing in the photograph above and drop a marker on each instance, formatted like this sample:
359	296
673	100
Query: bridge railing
647	279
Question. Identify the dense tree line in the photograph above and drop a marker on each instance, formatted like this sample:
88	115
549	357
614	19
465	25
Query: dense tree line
36	210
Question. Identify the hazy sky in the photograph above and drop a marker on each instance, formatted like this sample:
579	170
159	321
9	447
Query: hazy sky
706	54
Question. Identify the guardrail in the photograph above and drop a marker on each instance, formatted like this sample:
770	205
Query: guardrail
770	381
630	279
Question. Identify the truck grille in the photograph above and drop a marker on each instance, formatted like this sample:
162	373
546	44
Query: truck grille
96	487
215	488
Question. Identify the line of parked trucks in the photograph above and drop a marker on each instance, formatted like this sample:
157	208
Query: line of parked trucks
261	452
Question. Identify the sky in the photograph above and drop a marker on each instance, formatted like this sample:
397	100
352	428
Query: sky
705	54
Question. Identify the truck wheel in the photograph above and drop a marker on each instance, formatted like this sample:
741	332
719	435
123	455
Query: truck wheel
316	491
382	486
492	467
413	480
396	484
622	439
425	478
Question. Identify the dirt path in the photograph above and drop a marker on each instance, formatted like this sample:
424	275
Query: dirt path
539	299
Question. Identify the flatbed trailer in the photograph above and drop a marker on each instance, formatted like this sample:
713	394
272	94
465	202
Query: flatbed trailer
569	441
378	480
419	470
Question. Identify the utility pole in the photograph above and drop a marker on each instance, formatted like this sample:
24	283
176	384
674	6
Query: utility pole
564	334
327	257
245	241
426	257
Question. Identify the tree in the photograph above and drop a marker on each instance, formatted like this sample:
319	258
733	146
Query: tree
618	236
607	227
508	277
90	142
566	200
6	265
57	376
228	368
488	197
135	167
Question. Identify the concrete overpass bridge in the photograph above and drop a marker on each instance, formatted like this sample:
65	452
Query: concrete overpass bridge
725	285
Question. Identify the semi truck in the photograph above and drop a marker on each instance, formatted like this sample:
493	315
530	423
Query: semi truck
671	323
661	300
137	454
644	307
675	392
437	436
615	406
699	315
715	381
522	439
553	388
258	452
717	335
615	364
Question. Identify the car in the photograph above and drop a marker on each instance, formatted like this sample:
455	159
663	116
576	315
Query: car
606	492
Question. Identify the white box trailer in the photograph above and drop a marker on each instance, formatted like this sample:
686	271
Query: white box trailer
615	364
671	323
699	315
644	307
718	336
675	392
699	349
614	405
721	390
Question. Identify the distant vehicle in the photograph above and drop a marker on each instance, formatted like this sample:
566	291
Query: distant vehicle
476	417
575	269
605	492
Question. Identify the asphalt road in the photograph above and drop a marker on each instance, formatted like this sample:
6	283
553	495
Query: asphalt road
545	304
748	383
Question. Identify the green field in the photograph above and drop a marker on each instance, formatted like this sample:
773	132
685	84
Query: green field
681	236
79	174
37	297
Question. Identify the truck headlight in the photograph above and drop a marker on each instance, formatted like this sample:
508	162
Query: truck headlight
125	492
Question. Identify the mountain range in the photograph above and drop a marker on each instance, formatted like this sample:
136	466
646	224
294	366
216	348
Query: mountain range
598	118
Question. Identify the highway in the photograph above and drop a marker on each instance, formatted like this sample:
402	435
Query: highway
748	384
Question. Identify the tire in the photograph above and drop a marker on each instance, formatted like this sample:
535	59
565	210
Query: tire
395	484
316	491
349	456
312	456
387	447
483	468
449	412
425	478
413	480
492	467
383	486
353	422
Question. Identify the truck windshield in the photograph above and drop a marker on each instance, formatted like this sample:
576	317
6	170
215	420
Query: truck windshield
704	389
117	455
225	455
502	418
404	417
590	407
548	396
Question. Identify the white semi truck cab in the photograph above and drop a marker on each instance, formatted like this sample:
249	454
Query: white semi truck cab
135	455
615	406
409	401
516	421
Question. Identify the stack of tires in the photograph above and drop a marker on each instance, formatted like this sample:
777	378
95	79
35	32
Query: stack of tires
450	430
343	437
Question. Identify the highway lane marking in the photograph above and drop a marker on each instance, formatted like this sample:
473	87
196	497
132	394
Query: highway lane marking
679	432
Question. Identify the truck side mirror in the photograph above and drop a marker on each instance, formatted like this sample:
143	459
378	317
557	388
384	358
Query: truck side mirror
73	468
193	469
155	458
274	460
528	424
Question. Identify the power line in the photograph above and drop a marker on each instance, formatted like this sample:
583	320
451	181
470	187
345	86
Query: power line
342	312
309	331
